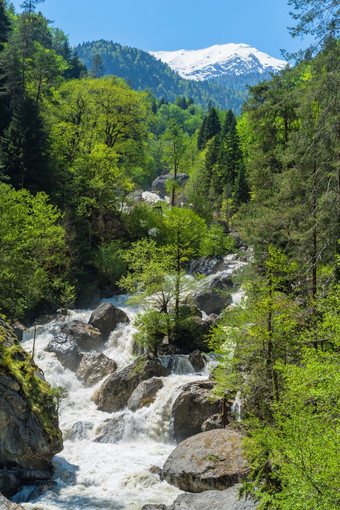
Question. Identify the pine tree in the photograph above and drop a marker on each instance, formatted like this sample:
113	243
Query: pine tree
22	148
97	69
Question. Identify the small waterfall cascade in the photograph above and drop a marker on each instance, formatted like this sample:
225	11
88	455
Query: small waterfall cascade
107	457
236	406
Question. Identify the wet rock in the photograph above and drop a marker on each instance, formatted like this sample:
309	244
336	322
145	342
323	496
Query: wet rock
94	367
207	265
145	393
159	184
86	336
212	301
197	360
156	470
112	430
192	408
154	507
66	350
208	461
106	317
215	500
29	432
5	504
79	430
116	390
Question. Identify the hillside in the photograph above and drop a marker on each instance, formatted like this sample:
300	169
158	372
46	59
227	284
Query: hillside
143	71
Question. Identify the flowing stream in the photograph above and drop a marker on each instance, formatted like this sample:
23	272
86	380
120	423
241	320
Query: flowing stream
108	475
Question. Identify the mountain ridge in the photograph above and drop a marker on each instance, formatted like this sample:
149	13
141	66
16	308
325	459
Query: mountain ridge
208	64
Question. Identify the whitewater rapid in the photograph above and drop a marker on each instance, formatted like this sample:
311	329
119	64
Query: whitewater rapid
93	475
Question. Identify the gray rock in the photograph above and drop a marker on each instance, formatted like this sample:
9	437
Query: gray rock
215	500
116	390
159	184
213	422
106	317
112	430
79	430
94	367
5	504
154	507
192	408
86	336
66	350
197	360
212	301
207	265
208	461
145	393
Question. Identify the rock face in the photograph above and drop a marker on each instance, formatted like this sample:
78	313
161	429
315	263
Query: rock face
145	393
208	461
94	367
86	336
215	500
116	390
159	184
29	432
106	317
192	408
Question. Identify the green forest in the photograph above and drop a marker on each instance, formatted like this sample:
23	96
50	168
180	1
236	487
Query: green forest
78	148
143	71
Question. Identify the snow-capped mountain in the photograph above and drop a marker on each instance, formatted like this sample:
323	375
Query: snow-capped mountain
218	61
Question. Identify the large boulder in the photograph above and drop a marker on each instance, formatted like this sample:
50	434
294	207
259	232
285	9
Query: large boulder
116	390
212	301
192	408
159	184
145	393
86	336
95	367
66	351
106	317
216	500
29	432
208	461
215	295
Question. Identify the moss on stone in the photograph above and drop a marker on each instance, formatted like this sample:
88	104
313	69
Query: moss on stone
40	397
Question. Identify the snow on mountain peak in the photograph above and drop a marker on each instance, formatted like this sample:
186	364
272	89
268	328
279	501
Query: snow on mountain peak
219	60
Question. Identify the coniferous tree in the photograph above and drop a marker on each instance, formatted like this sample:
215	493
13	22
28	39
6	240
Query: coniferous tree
97	69
22	148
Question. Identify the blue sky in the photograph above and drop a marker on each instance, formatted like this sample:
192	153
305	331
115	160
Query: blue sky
175	24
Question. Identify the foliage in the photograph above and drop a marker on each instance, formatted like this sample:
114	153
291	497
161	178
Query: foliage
216	242
34	263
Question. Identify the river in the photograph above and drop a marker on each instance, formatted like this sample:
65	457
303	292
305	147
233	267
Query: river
113	475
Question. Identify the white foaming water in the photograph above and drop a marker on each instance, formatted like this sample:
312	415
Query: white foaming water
106	475
107	457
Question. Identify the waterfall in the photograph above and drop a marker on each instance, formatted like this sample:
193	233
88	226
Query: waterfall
107	457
